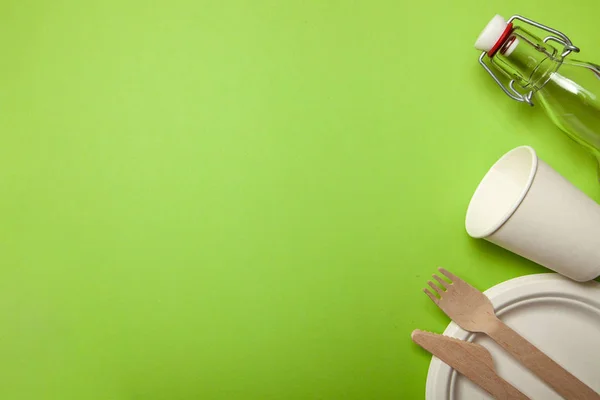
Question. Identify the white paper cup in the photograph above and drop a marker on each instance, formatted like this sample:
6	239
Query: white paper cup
525	206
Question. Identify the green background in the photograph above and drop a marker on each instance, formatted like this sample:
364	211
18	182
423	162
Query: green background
243	199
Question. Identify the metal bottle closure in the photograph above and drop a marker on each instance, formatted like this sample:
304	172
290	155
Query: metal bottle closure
556	36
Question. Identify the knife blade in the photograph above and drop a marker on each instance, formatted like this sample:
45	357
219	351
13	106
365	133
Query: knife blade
471	360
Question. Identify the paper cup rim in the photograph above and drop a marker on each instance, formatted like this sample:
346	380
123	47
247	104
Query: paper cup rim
479	233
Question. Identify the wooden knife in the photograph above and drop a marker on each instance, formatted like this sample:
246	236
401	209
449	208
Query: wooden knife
470	359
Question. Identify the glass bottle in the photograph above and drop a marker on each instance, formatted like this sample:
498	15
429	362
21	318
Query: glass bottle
567	89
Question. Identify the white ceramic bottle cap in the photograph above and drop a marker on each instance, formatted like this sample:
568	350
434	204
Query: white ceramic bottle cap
490	35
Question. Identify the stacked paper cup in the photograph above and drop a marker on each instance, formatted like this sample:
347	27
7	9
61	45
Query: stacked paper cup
525	206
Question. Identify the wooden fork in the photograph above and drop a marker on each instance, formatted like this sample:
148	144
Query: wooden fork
473	311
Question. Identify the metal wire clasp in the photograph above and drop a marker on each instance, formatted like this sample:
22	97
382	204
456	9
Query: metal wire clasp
556	36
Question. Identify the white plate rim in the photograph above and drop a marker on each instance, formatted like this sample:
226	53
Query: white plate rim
440	376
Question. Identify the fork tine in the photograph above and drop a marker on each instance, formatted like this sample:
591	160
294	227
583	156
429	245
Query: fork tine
449	274
435	287
441	281
431	296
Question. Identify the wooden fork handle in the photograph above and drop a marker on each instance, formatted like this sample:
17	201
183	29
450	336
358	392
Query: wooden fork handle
561	380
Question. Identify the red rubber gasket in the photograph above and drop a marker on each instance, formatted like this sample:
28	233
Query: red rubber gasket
501	40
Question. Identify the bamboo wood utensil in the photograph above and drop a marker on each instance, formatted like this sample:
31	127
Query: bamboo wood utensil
470	359
473	311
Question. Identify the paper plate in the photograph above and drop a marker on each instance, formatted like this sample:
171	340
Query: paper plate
561	317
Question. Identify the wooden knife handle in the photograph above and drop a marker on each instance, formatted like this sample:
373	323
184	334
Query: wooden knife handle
505	391
561	380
